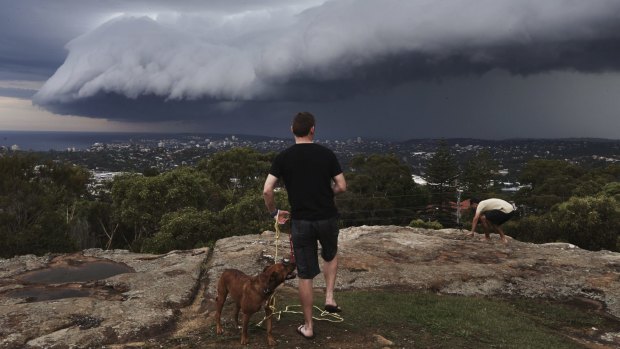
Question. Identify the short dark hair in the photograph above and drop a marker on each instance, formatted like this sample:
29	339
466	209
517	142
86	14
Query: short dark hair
474	201
303	123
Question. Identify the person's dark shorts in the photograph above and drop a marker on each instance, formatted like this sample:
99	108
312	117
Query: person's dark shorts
305	235
498	217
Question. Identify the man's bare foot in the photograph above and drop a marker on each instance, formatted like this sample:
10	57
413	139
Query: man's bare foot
471	234
485	239
304	332
504	240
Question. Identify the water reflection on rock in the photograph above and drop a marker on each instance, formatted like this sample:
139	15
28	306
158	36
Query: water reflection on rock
37	294
68	276
82	271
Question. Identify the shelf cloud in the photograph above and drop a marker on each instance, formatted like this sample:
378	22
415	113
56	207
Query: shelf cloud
325	52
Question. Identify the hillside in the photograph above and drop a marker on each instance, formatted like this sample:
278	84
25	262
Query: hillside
163	296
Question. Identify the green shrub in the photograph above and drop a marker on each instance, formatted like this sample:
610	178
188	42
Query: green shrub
537	229
184	229
612	189
248	215
418	223
589	222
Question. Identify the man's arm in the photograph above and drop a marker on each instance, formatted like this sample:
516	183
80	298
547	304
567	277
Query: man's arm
340	185
474	223
268	196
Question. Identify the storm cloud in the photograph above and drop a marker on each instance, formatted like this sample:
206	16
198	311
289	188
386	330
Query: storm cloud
190	64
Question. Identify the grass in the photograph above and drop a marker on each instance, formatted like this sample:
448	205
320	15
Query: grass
441	321
412	319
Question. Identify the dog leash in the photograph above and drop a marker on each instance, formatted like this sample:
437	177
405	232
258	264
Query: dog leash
276	226
324	315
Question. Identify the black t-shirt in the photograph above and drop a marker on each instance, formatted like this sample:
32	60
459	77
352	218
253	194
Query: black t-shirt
307	170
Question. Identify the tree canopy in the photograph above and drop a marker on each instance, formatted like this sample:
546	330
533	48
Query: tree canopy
442	171
380	190
38	202
48	206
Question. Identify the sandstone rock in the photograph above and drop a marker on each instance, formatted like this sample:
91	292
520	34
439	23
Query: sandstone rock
130	307
118	309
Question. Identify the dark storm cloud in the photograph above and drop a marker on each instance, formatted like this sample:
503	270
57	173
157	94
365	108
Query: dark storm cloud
16	93
18	89
178	65
150	107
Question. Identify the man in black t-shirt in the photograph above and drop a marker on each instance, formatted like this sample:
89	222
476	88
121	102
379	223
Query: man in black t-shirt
312	176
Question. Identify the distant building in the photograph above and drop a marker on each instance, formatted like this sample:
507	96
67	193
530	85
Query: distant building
419	180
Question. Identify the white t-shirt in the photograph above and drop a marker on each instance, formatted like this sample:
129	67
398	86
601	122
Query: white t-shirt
494	204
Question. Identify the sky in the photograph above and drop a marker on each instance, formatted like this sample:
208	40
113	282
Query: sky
391	69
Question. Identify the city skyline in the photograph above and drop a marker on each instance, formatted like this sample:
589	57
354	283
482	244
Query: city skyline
393	70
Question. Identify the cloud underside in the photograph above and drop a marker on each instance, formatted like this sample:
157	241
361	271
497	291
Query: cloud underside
192	66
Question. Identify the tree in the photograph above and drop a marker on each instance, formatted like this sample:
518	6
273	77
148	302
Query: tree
380	190
38	204
589	222
534	228
247	215
612	190
238	170
184	229
441	172
139	203
478	172
570	204
550	182
596	180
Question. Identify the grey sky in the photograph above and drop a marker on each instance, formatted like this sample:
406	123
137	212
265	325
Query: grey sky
391	68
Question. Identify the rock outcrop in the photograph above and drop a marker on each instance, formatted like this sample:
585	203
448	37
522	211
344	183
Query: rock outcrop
67	303
450	262
152	290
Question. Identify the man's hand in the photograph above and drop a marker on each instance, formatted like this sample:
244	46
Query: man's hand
282	216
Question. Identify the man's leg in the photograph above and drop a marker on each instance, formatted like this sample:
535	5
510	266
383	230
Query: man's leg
505	218
486	227
330	269
501	233
306	298
328	237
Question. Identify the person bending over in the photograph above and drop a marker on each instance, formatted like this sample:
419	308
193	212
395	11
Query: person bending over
492	213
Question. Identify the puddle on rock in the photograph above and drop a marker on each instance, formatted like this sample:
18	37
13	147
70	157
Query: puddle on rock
38	294
75	272
69	276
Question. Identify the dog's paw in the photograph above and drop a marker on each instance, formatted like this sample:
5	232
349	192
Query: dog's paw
219	330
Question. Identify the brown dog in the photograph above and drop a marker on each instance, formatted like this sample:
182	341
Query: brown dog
250	294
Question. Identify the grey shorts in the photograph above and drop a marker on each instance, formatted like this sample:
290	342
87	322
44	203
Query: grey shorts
305	235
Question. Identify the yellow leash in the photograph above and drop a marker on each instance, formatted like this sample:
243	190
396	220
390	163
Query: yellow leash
324	315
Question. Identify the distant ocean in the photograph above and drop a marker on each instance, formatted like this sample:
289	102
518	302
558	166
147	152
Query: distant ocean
44	141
